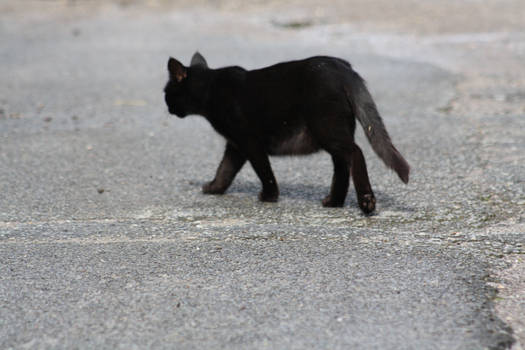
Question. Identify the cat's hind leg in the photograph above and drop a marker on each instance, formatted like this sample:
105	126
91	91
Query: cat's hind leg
230	165
365	195
340	183
335	133
352	157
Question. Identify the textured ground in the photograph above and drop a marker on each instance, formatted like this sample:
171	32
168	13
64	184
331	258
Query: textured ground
107	242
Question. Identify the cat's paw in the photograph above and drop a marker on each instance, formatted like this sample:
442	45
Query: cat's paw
212	188
268	197
367	203
332	203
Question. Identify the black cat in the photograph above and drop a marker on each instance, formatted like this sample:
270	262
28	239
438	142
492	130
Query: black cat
296	107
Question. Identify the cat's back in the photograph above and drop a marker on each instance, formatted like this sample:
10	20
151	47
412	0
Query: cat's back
306	78
312	66
297	82
232	76
283	74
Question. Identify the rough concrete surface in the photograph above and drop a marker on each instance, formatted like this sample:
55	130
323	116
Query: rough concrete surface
106	240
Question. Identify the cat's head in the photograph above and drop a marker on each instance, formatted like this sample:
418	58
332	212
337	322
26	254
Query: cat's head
186	88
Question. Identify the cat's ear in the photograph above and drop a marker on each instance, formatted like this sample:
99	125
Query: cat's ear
198	60
176	69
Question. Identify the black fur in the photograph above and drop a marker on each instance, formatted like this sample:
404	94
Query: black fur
296	107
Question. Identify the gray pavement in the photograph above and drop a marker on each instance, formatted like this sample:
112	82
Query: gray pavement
107	242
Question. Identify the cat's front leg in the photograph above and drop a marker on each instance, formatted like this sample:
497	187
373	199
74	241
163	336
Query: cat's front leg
261	164
230	165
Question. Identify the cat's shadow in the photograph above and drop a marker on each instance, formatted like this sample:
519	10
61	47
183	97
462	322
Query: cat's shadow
315	193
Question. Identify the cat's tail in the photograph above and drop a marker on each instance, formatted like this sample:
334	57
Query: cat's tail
366	112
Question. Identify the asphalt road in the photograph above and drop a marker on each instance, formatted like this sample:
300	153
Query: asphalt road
106	240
